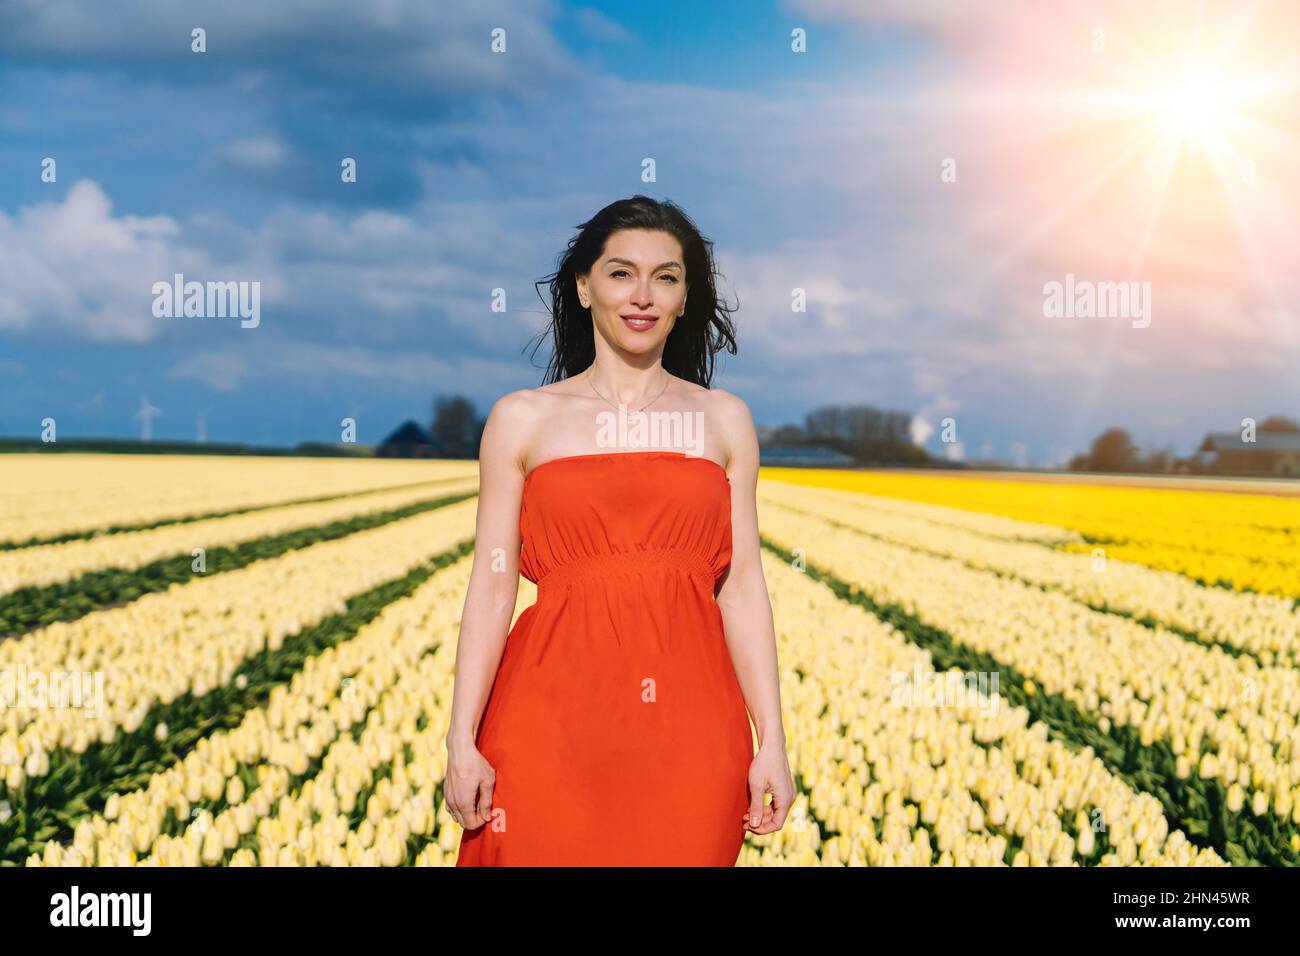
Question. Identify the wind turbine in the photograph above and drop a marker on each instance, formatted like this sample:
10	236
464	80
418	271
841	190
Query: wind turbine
145	417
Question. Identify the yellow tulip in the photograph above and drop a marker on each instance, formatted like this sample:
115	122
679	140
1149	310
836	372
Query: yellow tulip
1259	803
1236	798
1086	842
213	847
1209	766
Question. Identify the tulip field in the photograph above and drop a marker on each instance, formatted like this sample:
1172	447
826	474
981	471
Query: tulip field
249	661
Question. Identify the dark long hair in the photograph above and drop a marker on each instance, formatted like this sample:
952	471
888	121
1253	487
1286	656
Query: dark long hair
703	329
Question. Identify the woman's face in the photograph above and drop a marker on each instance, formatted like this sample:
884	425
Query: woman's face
636	290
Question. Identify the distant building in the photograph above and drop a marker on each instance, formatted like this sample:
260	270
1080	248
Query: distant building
817	456
409	441
1272	453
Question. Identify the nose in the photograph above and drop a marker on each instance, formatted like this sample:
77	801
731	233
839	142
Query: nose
642	297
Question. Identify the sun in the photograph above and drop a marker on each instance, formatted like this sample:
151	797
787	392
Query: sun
1198	104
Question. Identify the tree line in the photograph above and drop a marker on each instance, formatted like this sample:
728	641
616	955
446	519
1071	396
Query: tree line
1114	450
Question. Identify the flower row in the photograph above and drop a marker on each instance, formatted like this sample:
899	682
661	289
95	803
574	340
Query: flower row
314	748
1265	625
901	780
193	637
55	563
1223	717
51	495
1246	541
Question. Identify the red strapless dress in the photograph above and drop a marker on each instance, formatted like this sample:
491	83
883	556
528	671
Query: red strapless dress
616	725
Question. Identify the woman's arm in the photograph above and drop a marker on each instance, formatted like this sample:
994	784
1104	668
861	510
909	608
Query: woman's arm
494	577
742	598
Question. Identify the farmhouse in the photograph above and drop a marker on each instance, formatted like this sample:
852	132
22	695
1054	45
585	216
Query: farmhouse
408	441
1275	453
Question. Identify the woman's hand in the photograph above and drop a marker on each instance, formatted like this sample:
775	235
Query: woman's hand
769	773
468	786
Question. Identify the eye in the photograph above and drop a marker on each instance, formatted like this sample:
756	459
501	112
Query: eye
622	272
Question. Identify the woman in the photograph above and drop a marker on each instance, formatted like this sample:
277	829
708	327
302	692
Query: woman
609	727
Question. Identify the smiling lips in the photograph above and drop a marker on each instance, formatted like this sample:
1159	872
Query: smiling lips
639	321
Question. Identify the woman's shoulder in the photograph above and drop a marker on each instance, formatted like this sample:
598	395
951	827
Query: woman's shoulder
522	412
732	418
515	414
729	406
523	403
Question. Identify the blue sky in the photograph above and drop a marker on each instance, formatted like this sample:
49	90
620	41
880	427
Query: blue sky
817	171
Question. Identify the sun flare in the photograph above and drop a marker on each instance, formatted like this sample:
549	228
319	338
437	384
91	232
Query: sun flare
1199	105
1148	142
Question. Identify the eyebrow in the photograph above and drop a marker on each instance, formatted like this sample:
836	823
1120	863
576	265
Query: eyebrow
670	264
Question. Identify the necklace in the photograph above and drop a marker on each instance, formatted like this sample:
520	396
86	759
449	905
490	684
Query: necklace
643	407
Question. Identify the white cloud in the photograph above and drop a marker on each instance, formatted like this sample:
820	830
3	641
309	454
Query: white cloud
921	430
598	26
259	153
410	48
222	371
944	17
387	367
73	265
